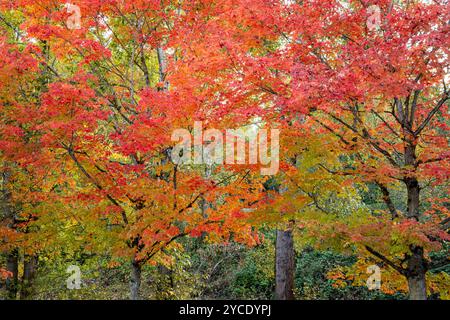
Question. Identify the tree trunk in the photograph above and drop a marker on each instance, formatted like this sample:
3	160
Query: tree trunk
284	266
162	62
12	282
415	275
29	272
135	280
417	288
411	182
413	190
12	259
416	263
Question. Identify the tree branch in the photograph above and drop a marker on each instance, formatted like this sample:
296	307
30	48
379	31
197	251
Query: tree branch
386	260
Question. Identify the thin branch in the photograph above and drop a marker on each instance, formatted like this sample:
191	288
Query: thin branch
399	269
431	114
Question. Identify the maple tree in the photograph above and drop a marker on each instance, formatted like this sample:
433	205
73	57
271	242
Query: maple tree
380	91
390	86
103	121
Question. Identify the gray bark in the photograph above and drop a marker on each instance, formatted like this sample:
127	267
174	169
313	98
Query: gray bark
416	277
12	282
12	259
29	273
416	263
284	266
417	288
135	281
162	62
